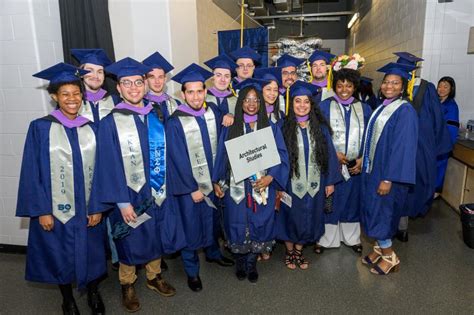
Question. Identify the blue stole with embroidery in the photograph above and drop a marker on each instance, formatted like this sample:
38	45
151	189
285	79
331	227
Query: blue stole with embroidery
156	139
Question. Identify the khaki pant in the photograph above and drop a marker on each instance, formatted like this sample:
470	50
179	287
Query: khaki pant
127	274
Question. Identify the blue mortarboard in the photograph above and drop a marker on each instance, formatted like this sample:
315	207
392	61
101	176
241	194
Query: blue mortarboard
269	74
61	72
222	61
320	55
289	61
156	60
256	83
366	79
94	56
303	88
400	69
127	67
407	58
246	52
192	73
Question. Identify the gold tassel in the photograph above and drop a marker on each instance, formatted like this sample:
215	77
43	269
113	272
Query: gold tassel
411	85
328	87
287	105
310	72
232	89
204	104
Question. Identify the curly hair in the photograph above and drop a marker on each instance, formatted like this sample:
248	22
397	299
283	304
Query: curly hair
53	88
349	75
236	129
317	123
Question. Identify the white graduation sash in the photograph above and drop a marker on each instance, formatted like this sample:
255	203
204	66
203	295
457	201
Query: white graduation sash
378	127
62	168
105	107
130	147
231	102
305	184
338	125
196	153
171	105
325	93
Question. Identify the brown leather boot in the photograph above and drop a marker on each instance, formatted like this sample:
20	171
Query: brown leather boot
130	299
161	286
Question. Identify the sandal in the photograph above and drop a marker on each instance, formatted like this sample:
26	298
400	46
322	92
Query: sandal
392	260
318	249
367	261
290	260
300	260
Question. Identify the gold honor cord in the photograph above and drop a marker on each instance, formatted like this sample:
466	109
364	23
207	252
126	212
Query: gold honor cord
232	89
287	101
330	78
310	72
411	85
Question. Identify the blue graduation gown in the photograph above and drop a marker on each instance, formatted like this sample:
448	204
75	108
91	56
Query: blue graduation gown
394	160
163	107
222	103
71	252
145	243
433	140
260	222
451	116
304	222
346	200
197	218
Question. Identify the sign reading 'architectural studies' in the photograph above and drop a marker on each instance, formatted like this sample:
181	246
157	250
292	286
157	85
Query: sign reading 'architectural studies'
252	153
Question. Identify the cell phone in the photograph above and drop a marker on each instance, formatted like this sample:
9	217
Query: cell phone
351	163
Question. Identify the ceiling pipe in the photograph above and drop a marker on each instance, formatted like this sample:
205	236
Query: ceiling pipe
282	16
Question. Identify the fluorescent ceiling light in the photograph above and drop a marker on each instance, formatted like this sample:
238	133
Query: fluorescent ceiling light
353	19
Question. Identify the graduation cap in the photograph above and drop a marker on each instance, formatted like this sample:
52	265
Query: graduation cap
320	55
246	52
400	69
127	67
256	83
61	72
222	61
289	61
300	88
366	79
156	60
407	58
94	56
269	74
192	73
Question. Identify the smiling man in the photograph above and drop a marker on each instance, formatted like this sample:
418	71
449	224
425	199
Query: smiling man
319	62
289	75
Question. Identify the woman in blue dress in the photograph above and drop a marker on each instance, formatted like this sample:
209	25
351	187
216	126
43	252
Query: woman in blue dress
66	242
447	93
388	167
314	170
249	205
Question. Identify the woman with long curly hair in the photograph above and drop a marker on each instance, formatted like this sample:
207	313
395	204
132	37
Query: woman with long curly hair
313	171
249	205
348	118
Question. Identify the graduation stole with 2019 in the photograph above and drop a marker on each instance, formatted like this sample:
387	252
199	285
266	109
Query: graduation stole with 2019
195	147
305	183
105	107
356	129
62	168
370	145
132	154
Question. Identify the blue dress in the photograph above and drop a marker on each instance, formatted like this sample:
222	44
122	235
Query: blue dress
451	116
160	234
346	200
394	160
250	229
197	218
433	141
304	222
71	252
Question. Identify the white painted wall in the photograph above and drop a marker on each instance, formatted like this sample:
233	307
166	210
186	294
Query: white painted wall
30	40
445	49
337	46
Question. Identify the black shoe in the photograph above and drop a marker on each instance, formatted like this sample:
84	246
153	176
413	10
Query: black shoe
94	300
195	284
402	236
253	276
163	265
70	308
223	261
318	249
241	275
357	249
115	266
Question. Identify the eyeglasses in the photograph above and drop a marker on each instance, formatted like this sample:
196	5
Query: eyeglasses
288	73
249	66
391	82
251	100
128	84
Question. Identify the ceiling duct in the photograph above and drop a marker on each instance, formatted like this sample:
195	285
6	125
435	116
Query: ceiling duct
282	6
257	7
